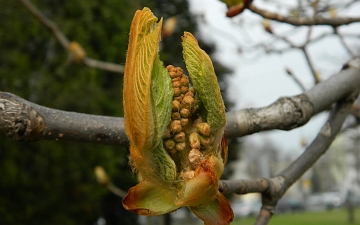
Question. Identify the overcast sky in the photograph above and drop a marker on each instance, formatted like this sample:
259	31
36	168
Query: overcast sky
260	79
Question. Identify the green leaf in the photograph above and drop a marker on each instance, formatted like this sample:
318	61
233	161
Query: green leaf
163	166
161	98
204	80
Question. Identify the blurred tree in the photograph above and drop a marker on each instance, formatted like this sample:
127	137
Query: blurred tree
54	182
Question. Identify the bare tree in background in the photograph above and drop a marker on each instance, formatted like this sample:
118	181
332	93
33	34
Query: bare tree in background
26	121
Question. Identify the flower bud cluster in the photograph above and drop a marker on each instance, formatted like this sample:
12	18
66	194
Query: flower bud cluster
198	141
185	133
183	106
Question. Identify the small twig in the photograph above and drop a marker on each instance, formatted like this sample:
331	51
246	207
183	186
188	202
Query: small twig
64	41
316	75
103	180
304	21
295	78
115	190
311	65
112	67
346	46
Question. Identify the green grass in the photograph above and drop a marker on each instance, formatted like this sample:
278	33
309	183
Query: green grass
333	217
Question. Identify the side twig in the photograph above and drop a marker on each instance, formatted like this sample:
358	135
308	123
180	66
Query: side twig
103	180
273	189
304	21
64	41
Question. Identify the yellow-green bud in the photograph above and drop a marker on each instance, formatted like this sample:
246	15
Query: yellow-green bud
203	128
204	141
194	140
180	146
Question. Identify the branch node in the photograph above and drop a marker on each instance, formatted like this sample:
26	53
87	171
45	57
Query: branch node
19	121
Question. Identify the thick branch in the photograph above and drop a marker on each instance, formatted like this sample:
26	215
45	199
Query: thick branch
304	21
26	121
17	115
291	112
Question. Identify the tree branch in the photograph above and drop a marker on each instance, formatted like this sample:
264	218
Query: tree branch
320	144
273	189
304	21
26	121
64	41
291	112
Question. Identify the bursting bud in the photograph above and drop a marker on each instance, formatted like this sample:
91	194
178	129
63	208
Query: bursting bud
165	132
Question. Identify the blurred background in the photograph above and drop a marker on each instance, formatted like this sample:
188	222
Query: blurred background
256	62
